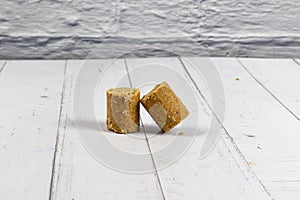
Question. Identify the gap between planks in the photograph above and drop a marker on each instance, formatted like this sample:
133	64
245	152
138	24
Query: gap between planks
3	66
27	165
267	90
56	165
147	140
296	61
60	135
223	127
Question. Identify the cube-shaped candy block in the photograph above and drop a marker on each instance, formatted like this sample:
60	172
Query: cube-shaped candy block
164	106
123	111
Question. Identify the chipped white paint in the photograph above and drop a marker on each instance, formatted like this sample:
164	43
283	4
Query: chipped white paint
72	28
260	147
265	132
223	173
29	104
79	175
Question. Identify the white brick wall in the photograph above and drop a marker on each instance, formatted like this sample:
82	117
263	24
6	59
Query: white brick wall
72	28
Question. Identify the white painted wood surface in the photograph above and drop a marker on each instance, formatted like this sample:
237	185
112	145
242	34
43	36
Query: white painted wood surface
256	157
223	173
265	132
79	175
29	104
280	77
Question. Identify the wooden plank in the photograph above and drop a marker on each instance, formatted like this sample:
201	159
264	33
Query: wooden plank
265	132
223	173
279	77
29	104
79	174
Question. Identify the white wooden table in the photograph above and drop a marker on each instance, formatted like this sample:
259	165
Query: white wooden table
256	157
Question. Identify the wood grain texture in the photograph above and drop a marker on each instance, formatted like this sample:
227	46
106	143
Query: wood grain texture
277	76
29	104
265	132
255	157
223	173
79	175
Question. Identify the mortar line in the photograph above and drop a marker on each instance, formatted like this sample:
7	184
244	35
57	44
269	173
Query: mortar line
147	140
